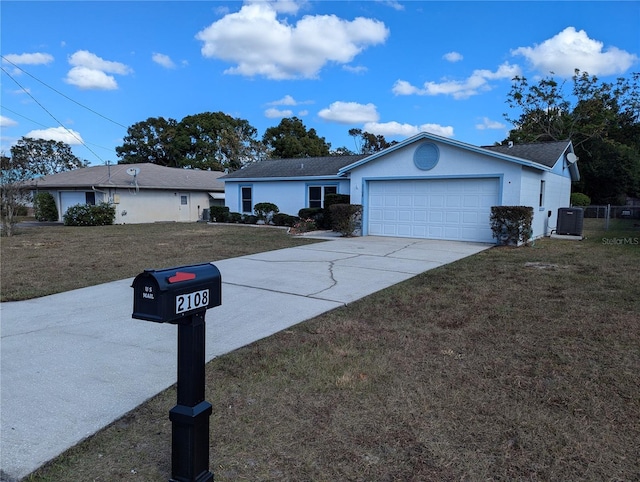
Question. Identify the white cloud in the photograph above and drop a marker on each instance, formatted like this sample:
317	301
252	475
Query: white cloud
477	82
7	122
274	113
91	72
350	113
452	57
83	58
59	134
489	124
86	79
395	129
570	50
36	58
356	69
258	43
286	100
393	4
163	60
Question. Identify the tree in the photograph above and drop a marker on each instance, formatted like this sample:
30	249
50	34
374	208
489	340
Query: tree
155	140
217	141
41	157
30	158
368	143
291	139
210	141
601	119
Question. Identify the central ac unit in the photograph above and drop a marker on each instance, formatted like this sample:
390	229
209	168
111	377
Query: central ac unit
570	221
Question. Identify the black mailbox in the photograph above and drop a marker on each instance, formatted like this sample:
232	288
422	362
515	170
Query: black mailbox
170	295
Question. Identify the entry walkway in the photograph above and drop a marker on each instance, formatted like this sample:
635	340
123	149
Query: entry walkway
74	362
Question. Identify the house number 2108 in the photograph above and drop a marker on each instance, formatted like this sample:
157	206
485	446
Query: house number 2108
192	301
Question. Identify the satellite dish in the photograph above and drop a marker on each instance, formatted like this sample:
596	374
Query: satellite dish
571	158
133	171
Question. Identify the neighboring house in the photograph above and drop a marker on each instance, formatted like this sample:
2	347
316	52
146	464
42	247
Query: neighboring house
141	193
426	186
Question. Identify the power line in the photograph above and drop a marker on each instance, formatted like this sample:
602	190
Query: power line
46	126
60	93
52	116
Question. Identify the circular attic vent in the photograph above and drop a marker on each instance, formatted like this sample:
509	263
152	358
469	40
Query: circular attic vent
426	156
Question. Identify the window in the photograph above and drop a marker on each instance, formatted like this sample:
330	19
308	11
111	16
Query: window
90	198
183	200
246	201
317	194
541	194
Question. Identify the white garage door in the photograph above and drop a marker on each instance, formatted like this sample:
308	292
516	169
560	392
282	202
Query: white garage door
456	209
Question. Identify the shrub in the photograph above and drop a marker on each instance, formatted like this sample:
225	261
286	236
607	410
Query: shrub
219	214
345	218
87	215
282	219
249	219
235	218
265	211
44	207
315	214
511	225
330	200
579	199
304	226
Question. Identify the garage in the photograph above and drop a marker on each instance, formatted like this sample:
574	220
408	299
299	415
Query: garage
452	209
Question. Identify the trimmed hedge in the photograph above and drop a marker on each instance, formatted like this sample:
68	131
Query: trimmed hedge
579	199
265	211
219	214
344	218
282	219
511	225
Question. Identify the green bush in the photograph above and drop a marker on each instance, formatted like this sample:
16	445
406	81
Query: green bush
44	207
511	225
235	218
579	199
314	214
249	219
219	214
87	215
345	218
330	200
265	211
282	219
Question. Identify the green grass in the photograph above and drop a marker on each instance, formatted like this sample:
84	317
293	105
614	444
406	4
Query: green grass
513	364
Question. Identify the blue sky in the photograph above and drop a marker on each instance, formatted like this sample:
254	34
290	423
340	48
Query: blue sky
83	72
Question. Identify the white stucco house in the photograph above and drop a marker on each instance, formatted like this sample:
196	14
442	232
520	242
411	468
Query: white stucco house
141	193
426	186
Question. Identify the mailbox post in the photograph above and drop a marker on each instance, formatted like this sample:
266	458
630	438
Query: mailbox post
182	296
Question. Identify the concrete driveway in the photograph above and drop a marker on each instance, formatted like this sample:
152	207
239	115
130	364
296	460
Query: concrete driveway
74	362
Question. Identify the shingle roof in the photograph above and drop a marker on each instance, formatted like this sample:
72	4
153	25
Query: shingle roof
545	153
150	176
294	168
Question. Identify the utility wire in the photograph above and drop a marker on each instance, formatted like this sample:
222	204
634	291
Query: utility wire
52	116
43	125
60	93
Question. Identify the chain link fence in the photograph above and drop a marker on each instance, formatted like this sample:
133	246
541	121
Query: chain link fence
614	218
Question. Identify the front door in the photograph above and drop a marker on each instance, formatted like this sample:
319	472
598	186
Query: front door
184	206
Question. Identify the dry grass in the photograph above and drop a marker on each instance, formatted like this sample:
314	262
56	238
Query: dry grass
514	364
39	261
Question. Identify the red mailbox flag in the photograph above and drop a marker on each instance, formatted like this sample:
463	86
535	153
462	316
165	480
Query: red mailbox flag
181	276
